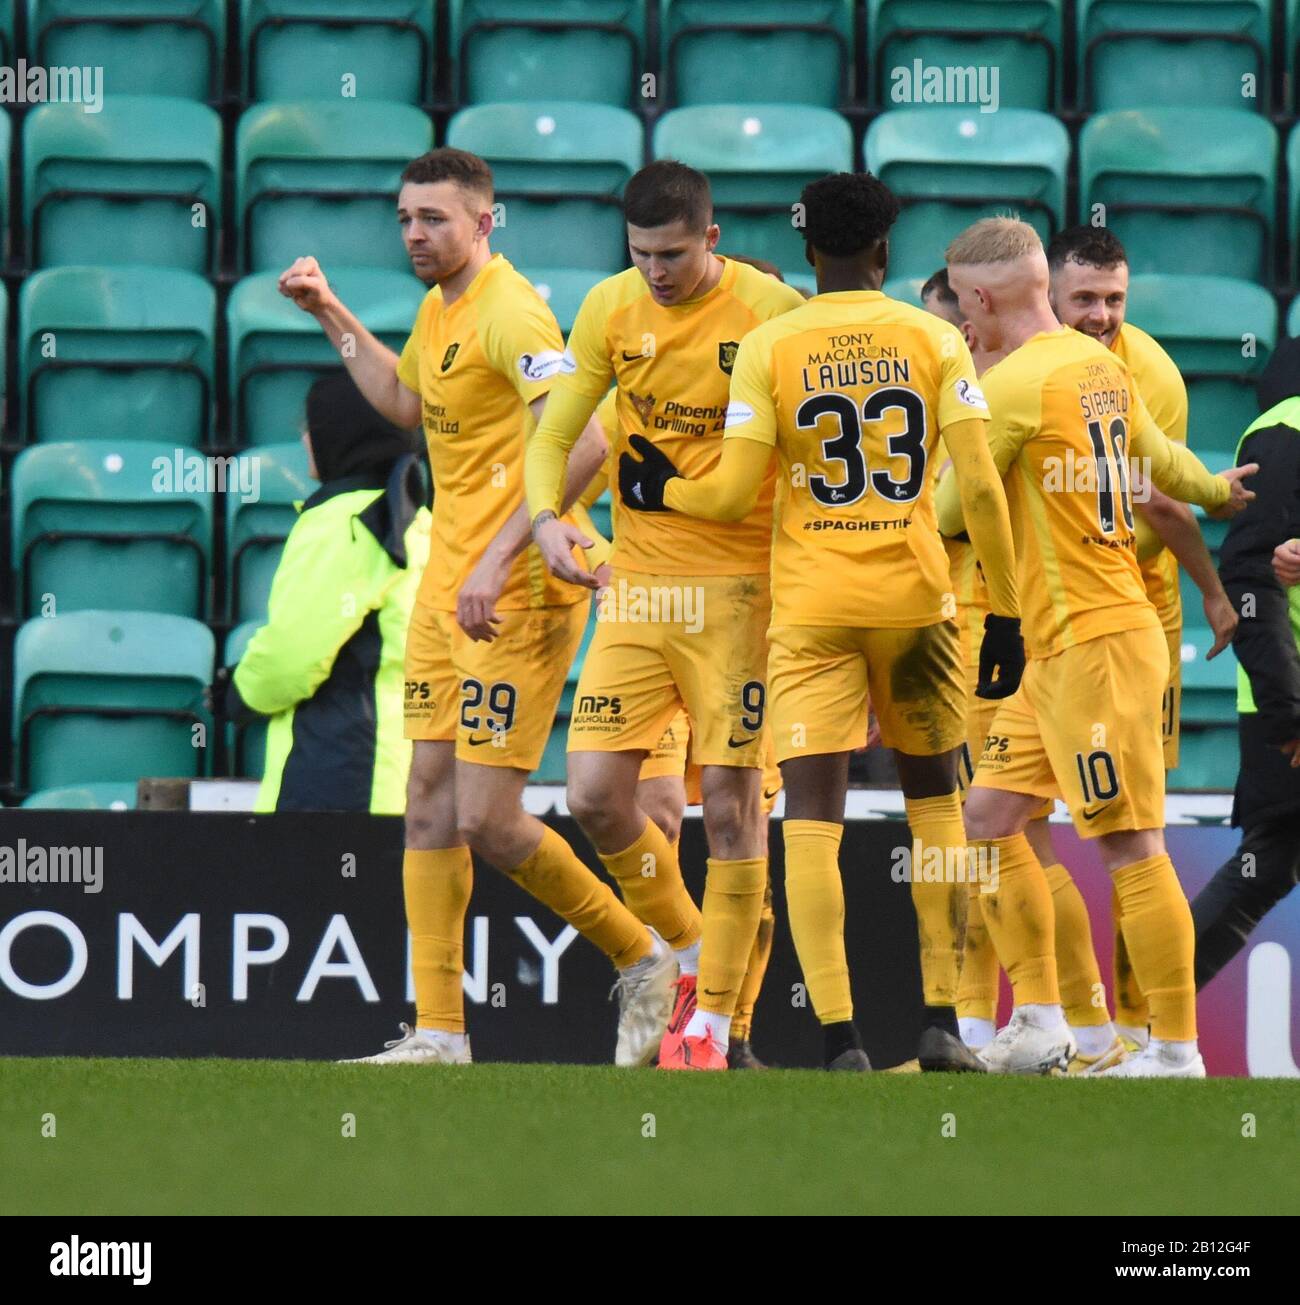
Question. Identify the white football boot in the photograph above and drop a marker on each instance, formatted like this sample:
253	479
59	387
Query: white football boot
1156	1062
1022	1048
645	1005
416	1048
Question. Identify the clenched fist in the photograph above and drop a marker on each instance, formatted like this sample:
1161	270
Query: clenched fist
305	283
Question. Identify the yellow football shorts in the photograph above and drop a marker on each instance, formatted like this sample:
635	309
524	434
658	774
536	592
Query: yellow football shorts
1171	712
979	723
1085	726
498	699
664	644
822	678
670	757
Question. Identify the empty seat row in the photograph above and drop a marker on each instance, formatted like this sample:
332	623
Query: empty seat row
128	525
120	353
1188	190
1126	52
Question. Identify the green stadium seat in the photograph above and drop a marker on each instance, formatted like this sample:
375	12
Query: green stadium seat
7	43
145	47
1020	38
950	167
245	744
1184	189
328	167
758	158
106	525
511	49
1291	45
1293	318
256	531
138	182
712	49
563	288
1142	53
84	797
309	49
1293	196
6	153
110	696
277	350
559	167
1220	332
906	289
1208	758
116	353
1209	688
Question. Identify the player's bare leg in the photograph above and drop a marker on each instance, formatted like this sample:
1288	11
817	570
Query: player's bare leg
437	876
1021	921
1161	940
492	821
602	793
815	791
1083	995
930	792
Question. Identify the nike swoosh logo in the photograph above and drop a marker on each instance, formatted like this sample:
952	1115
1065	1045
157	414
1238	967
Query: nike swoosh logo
767	797
1092	815
632	357
738	743
708	992
474	743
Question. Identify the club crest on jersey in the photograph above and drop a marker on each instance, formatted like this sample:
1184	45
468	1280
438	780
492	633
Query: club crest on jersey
644	405
727	355
450	356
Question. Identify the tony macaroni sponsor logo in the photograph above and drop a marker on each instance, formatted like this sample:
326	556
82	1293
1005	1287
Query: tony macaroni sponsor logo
651	604
77	1259
931	863
24	864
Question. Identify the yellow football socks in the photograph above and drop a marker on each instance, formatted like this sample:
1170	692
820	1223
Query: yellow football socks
938	854
977	987
1082	992
815	898
436	885
1157	924
733	903
1130	1001
649	876
556	877
742	1022
1021	921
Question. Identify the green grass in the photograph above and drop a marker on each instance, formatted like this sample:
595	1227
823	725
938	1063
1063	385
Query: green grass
171	1136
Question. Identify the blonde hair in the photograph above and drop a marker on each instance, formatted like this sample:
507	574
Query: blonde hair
994	240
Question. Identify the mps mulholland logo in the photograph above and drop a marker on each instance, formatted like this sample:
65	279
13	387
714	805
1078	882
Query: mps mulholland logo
727	354
450	356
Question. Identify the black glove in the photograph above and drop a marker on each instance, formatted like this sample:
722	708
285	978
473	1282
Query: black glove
1002	650
641	484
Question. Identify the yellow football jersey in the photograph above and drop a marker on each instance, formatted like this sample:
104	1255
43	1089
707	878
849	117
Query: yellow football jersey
971	595
1165	396
1064	407
853	389
476	366
672	365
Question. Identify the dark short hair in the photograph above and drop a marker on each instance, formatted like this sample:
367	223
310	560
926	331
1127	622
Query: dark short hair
1091	246
467	170
939	285
847	212
667	191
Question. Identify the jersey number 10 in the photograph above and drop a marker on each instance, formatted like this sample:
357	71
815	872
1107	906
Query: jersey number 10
1112	471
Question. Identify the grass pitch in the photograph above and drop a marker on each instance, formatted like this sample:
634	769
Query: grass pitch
233	1137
